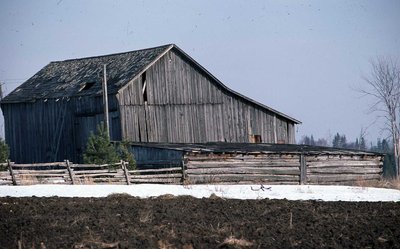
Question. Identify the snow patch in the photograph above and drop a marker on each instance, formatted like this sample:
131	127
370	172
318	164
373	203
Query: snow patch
290	192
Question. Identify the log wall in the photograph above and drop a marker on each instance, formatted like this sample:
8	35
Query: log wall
282	168
333	169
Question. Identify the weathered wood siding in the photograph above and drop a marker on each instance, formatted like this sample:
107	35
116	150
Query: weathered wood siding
333	169
243	169
55	129
37	132
148	157
181	104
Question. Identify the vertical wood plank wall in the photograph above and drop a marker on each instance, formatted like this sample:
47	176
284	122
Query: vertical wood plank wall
35	131
54	130
186	106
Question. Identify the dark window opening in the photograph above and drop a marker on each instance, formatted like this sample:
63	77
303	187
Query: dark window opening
255	139
144	87
87	86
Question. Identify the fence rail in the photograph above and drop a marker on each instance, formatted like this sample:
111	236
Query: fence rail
205	168
69	173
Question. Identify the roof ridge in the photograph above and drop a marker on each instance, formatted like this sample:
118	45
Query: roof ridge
113	54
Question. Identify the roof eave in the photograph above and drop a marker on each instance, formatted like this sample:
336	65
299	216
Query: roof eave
145	68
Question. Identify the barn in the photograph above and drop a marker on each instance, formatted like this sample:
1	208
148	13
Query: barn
158	95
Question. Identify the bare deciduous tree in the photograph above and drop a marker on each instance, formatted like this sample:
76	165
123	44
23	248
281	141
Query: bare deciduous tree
384	85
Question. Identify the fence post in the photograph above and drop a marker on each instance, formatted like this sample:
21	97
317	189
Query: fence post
11	172
71	174
184	176
303	169
128	180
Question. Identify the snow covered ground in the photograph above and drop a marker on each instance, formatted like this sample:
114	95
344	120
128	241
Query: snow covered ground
290	192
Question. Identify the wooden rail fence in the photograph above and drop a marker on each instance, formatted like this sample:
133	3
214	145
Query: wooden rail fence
69	173
204	169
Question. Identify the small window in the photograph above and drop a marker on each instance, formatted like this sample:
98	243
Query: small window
144	87
86	86
256	139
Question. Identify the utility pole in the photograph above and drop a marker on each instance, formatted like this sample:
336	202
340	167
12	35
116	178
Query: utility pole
1	90
105	100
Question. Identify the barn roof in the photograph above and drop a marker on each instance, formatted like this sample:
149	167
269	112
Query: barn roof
255	148
68	78
81	77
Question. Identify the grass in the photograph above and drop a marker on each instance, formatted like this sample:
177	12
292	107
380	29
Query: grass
391	183
235	243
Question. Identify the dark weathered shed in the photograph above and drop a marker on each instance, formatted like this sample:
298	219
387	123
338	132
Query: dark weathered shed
155	95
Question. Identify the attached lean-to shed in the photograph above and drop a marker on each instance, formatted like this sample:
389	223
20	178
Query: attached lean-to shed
262	163
154	95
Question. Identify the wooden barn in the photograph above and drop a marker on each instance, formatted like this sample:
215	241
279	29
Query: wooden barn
154	95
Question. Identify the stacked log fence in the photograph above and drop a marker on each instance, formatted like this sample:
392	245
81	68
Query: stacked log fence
243	169
207	168
289	168
343	169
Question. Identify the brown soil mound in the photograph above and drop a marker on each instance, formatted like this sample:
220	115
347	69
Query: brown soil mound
184	222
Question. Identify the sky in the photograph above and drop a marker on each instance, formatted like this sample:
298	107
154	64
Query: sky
303	58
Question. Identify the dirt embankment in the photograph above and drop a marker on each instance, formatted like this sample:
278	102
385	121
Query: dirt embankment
185	222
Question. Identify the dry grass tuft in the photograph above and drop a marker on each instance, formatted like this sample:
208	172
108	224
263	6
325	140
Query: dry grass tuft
392	184
145	216
28	179
119	195
96	244
187	246
235	243
213	196
166	197
162	244
84	181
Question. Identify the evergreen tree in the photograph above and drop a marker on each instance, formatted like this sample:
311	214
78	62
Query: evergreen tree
379	144
126	155
362	145
305	140
312	142
340	141
385	147
99	150
389	165
322	142
343	142
357	144
336	141
4	151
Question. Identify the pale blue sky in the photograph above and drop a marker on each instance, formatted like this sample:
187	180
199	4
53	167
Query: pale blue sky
303	58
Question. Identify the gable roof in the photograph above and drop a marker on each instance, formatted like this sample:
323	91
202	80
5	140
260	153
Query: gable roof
66	78
81	77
